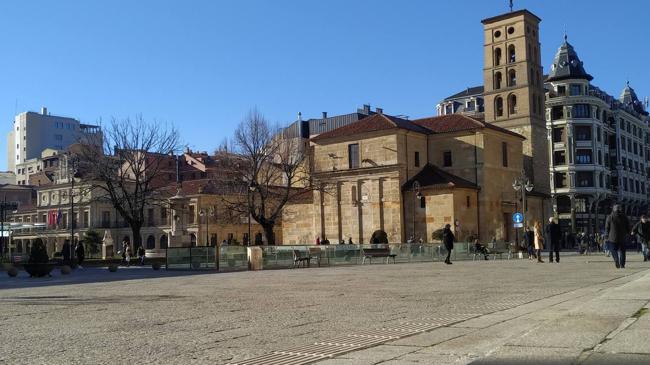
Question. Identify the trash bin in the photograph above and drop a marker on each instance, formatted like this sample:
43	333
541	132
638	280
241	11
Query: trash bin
254	258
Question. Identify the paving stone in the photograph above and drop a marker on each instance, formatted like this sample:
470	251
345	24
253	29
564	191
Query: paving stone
616	359
510	355
432	338
634	341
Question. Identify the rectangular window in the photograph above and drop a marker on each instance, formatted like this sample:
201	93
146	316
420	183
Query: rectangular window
86	221
417	159
583	156
625	184
561	90
423	203
353	156
585	179
559	158
192	214
581	111
583	133
559	180
598	135
557	112
58	137
504	154
106	219
150	217
446	159
163	215
575	89
467	201
623	143
600	158
558	134
354	196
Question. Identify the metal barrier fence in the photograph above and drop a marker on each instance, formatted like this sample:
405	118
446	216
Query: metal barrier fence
282	256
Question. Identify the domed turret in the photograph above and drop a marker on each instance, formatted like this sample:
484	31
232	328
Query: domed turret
628	97
567	65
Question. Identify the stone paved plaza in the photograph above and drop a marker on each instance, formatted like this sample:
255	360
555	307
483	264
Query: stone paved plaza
497	312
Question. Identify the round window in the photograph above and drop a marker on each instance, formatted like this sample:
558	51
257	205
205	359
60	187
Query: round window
511	30
497	34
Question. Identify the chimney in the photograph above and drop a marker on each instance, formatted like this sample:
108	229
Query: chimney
379	110
300	116
366	108
43	110
324	115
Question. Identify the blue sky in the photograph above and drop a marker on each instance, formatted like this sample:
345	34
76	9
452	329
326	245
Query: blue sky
203	64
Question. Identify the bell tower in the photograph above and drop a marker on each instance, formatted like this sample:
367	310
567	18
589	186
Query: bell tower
514	88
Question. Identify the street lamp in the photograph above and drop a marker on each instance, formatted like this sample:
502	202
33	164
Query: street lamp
417	196
207	213
523	184
72	174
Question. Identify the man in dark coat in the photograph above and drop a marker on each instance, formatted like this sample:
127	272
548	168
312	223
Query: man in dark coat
448	240
618	227
529	240
81	253
553	237
642	230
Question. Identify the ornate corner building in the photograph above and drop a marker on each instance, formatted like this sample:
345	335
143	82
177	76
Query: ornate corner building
594	146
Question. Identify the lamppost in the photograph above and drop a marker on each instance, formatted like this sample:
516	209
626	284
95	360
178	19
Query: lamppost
72	173
4	206
207	214
523	184
417	196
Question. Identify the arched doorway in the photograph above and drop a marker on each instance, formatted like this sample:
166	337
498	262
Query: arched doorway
193	240
163	241
151	242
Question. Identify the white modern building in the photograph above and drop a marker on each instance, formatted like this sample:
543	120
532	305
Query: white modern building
34	132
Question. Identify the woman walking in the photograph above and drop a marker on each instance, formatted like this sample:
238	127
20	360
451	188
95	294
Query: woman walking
448	239
539	241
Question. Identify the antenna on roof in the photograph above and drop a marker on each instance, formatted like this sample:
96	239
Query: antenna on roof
511	6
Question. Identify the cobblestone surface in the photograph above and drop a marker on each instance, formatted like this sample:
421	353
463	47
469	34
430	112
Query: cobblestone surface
483	309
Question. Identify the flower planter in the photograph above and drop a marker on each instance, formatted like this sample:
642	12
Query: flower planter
38	270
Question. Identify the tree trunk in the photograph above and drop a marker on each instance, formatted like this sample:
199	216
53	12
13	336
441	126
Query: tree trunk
268	232
137	237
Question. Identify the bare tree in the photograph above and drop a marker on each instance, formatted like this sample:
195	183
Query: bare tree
271	172
127	170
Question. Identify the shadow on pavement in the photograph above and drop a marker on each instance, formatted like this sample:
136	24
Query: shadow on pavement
91	275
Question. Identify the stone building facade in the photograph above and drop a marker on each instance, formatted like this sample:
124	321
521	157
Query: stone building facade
409	179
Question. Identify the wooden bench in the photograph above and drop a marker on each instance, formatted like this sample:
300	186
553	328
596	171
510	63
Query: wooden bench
298	259
369	253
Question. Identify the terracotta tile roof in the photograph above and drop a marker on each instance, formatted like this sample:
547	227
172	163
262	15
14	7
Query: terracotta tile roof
433	177
457	123
373	123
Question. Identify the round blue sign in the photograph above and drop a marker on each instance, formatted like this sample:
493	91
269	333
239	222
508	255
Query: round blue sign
518	218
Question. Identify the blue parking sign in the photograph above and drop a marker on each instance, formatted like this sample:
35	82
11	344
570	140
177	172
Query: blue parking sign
518	218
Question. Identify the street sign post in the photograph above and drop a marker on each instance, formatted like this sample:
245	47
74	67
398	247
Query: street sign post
518	220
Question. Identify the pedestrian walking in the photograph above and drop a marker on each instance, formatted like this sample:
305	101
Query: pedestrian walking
350	241
124	244
538	240
618	227
529	239
141	254
642	230
553	235
81	254
127	254
448	239
65	251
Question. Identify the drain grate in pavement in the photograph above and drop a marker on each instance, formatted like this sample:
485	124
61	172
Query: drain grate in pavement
279	359
361	339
